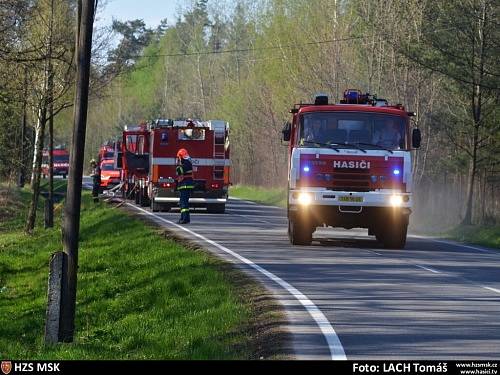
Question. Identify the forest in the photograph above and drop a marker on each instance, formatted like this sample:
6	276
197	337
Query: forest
248	62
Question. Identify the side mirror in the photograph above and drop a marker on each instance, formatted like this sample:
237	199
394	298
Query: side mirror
416	138
287	129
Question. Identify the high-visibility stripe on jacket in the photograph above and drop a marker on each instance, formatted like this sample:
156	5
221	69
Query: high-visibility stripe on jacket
186	171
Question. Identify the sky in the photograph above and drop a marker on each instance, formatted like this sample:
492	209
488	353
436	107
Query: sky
151	11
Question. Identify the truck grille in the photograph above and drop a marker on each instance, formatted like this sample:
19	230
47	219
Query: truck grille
351	179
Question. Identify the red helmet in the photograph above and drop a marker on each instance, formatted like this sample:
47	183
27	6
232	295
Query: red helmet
182	153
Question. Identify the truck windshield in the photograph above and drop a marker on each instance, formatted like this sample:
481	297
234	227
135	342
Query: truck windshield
107	167
370	130
191	134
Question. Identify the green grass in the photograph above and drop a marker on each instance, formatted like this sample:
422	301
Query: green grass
140	295
482	235
268	196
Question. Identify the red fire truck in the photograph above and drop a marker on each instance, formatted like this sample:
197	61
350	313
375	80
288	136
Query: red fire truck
110	174
61	162
350	166
106	152
207	142
134	161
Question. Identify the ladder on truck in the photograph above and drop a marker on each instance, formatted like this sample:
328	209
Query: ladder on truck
219	128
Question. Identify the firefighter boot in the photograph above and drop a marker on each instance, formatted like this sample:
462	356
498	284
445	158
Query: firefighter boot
184	216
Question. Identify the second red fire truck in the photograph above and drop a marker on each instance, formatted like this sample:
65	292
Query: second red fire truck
149	163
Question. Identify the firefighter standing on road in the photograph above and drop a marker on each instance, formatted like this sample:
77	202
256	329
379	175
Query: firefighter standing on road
185	183
96	179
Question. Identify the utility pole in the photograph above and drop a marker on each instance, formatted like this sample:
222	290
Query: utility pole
71	225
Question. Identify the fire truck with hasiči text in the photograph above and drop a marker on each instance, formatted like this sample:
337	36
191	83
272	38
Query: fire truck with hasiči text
350	166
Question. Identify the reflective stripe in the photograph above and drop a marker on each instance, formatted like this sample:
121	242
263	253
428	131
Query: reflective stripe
191	200
196	162
185	210
185	187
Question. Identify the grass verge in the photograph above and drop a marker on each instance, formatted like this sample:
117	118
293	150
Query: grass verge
268	196
481	235
140	295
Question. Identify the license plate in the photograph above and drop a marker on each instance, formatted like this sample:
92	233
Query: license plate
350	199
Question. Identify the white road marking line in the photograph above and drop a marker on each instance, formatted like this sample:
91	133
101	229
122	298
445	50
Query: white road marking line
456	244
376	253
333	341
427	269
492	289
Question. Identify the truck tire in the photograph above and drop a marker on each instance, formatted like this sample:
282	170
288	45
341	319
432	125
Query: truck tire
155	207
394	236
216	208
143	198
136	196
299	233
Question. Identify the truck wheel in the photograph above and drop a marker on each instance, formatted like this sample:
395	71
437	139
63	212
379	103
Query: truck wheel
299	233
144	199
394	236
216	208
155	207
136	196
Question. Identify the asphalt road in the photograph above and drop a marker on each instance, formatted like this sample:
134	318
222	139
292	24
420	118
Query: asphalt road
347	297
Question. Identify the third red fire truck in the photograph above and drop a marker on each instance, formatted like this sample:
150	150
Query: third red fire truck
350	166
134	161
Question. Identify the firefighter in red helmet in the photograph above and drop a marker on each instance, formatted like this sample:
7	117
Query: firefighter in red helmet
185	183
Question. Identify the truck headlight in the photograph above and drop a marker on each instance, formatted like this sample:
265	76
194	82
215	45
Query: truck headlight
396	200
304	199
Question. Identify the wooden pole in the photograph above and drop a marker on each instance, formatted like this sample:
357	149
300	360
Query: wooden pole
71	226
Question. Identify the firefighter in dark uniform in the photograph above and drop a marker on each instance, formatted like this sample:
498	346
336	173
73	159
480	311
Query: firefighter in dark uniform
96	179
185	183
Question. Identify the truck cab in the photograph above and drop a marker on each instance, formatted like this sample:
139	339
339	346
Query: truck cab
350	166
60	160
110	175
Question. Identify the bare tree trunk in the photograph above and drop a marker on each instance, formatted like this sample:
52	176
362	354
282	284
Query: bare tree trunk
50	87
202	86
22	168
37	164
472	179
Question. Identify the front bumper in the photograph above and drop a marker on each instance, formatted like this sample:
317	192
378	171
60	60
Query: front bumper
323	197
60	172
110	182
366	210
197	198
